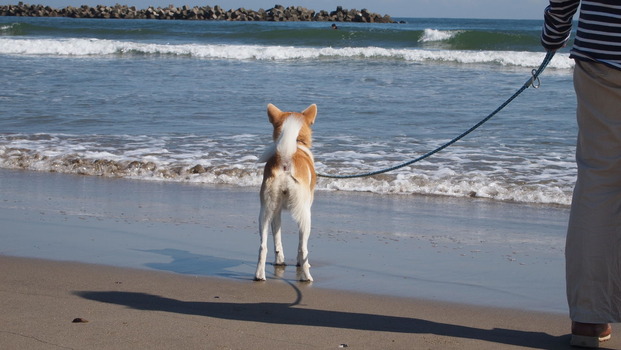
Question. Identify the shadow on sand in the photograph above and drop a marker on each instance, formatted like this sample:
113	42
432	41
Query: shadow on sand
293	314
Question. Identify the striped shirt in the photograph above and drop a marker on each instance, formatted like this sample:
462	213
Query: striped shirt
598	37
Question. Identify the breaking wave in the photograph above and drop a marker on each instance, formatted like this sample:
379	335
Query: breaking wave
101	48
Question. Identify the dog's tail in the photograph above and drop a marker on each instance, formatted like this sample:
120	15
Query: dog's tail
287	144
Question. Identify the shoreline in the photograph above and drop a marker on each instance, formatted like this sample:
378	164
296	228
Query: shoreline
468	251
153	264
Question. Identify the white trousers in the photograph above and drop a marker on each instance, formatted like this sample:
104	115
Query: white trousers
592	254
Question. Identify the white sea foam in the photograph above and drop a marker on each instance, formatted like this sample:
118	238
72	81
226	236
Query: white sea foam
96	47
542	181
437	35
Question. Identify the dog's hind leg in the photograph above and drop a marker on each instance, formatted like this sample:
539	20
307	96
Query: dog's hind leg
265	217
305	229
277	232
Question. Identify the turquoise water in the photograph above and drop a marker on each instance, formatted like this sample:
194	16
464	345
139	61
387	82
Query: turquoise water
150	100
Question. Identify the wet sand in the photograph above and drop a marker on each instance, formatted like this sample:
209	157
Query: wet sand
461	250
150	263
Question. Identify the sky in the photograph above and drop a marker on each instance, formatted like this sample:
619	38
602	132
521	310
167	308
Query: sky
495	9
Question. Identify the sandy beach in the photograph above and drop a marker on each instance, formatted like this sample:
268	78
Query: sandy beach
157	265
61	305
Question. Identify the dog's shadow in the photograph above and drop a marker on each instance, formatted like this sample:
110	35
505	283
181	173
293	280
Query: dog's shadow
291	314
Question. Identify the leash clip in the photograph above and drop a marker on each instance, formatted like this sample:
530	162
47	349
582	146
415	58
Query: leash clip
534	80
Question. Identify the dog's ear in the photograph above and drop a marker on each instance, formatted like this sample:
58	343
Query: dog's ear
310	113
273	113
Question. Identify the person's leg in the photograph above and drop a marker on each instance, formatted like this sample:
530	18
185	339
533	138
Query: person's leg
593	261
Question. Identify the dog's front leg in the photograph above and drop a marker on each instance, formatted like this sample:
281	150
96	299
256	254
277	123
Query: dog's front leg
264	219
277	232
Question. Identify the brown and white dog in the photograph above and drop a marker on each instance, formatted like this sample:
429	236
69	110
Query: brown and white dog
288	183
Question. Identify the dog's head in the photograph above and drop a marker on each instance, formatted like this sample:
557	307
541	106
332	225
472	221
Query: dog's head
278	117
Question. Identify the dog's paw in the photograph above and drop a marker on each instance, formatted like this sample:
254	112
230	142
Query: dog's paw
259	279
304	275
306	279
280	259
259	275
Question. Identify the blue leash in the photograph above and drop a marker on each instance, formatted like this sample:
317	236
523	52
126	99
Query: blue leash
532	81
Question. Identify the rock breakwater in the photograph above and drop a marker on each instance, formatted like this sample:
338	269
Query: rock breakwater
278	13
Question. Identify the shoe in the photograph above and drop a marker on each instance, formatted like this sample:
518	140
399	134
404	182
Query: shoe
589	335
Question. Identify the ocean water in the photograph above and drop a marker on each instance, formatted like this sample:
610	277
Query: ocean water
185	101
